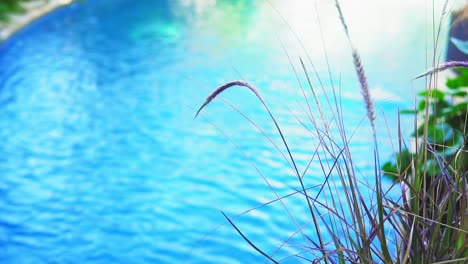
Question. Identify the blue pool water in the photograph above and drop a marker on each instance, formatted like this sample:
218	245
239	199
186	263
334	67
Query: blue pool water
101	160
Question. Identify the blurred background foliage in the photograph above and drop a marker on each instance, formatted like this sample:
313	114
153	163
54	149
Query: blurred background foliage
443	113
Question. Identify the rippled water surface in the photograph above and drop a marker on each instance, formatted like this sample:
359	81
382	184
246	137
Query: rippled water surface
101	160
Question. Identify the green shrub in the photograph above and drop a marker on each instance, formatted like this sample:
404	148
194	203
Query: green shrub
443	128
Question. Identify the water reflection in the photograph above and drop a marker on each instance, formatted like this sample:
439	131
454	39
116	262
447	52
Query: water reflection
382	32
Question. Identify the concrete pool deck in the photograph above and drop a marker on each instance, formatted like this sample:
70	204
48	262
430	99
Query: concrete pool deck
33	10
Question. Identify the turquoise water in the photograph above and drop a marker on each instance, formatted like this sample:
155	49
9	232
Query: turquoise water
101	160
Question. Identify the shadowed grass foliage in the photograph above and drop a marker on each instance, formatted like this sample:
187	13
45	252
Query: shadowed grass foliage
426	223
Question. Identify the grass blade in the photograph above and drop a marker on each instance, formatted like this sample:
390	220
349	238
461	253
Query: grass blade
247	240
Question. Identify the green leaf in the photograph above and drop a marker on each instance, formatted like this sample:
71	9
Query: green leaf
421	105
460	94
459	81
406	112
452	84
390	169
439	108
398	165
440	134
435	94
456	116
461	108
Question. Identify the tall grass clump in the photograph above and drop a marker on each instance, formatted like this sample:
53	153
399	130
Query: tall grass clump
359	222
434	175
